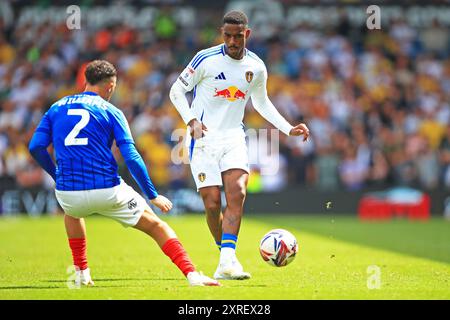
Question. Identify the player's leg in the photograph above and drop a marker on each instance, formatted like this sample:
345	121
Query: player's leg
76	233
123	204
213	209
234	175
75	227
204	163
74	206
152	225
235	185
166	238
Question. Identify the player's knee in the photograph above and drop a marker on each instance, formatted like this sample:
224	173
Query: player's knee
212	205
160	225
151	223
237	194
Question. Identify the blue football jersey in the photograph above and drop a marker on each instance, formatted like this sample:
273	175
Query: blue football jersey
82	129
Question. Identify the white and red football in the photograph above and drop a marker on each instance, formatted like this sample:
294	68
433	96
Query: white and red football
278	247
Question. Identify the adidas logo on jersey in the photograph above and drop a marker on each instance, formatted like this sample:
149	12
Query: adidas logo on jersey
221	76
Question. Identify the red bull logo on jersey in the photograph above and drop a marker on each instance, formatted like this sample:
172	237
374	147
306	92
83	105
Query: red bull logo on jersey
231	93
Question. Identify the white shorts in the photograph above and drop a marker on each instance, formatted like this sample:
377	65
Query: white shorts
121	203
210	156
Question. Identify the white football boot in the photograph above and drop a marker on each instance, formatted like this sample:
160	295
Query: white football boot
83	277
197	279
231	270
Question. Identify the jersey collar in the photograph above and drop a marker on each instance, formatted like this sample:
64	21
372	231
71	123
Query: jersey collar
90	93
232	59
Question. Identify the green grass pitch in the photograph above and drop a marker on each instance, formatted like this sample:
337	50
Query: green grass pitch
334	255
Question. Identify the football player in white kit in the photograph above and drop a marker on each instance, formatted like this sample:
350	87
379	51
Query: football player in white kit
223	78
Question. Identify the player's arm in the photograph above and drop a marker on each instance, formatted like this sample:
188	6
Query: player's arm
189	78
137	168
135	163
265	107
41	139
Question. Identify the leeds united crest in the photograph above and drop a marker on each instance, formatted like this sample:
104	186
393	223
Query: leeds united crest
249	76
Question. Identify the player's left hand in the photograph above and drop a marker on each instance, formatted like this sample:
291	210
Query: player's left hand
162	203
299	130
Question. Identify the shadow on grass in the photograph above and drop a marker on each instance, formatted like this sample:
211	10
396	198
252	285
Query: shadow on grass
118	279
65	287
430	239
251	285
28	287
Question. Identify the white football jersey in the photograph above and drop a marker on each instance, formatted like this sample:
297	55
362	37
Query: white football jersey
222	86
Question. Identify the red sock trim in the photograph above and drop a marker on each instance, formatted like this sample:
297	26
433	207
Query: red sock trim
175	251
78	247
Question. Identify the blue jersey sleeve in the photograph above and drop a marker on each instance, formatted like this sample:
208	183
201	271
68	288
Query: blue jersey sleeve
41	139
122	132
138	170
45	127
133	159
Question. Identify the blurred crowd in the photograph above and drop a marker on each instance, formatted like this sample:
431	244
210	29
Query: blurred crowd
376	101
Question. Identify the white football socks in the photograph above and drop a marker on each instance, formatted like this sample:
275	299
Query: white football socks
227	255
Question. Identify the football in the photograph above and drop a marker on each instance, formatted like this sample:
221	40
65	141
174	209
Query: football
278	247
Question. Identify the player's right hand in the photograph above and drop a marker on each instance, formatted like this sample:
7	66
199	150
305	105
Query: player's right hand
299	130
198	129
162	203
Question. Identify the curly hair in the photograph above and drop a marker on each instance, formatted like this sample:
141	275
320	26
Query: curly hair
98	71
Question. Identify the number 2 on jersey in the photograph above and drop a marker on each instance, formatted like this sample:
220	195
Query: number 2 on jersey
71	139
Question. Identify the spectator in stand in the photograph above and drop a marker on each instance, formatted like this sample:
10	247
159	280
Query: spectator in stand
444	159
373	100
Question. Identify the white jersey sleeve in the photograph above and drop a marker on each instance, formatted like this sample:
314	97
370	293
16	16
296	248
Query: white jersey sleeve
192	74
265	107
177	95
187	80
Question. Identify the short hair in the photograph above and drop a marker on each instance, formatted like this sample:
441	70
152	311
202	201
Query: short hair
235	17
98	71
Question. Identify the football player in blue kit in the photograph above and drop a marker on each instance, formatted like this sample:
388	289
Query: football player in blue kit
82	129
